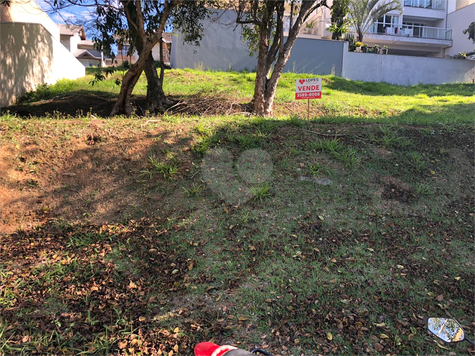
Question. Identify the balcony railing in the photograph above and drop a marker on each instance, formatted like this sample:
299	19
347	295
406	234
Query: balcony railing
426	4
435	33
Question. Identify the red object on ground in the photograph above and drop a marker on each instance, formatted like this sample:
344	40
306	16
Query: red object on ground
210	349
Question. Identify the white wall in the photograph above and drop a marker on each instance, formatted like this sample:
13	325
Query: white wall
458	21
31	51
223	48
64	65
28	11
406	70
30	56
73	42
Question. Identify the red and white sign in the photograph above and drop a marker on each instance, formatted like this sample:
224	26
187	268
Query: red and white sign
310	88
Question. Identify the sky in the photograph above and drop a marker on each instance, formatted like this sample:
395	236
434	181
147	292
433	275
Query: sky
78	15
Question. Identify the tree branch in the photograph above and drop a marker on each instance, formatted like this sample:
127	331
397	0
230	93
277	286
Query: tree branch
277	44
129	16
140	20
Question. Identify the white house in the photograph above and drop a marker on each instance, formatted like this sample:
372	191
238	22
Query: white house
73	37
31	53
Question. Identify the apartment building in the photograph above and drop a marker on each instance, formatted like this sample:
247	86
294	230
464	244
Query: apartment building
428	28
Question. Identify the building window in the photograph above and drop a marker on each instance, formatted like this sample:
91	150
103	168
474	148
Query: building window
387	21
413	29
426	4
418	3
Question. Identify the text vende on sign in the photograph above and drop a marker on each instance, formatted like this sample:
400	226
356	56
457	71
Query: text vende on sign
310	88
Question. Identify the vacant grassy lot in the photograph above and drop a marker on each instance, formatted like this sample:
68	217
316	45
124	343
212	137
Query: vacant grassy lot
334	235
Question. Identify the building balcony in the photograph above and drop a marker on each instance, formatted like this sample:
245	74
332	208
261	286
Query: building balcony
414	40
413	33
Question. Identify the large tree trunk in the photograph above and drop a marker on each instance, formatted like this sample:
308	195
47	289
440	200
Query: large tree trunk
260	99
123	104
271	84
156	98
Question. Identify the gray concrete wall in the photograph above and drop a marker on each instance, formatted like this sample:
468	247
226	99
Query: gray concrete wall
406	70
317	56
222	48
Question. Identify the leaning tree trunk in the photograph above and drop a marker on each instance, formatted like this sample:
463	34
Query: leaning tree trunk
123	104
270	86
259	99
144	43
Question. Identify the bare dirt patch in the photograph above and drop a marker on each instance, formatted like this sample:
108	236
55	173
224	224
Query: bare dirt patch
94	175
394	190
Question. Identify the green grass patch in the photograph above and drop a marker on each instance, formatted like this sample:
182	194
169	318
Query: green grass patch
121	244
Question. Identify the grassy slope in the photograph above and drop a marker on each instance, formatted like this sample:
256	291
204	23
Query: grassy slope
342	99
303	268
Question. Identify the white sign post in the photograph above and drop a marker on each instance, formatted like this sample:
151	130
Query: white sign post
310	88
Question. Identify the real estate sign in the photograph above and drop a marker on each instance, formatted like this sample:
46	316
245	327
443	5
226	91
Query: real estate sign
310	88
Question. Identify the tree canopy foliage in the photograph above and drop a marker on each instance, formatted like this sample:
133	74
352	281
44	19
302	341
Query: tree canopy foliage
470	31
339	12
364	13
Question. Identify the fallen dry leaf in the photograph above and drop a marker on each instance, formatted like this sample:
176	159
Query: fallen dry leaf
123	344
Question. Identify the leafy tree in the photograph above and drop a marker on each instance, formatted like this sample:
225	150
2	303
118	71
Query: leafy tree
470	31
339	12
364	13
264	22
140	24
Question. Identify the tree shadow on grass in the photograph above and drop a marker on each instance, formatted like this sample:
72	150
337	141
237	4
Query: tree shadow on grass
75	103
98	103
100	173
